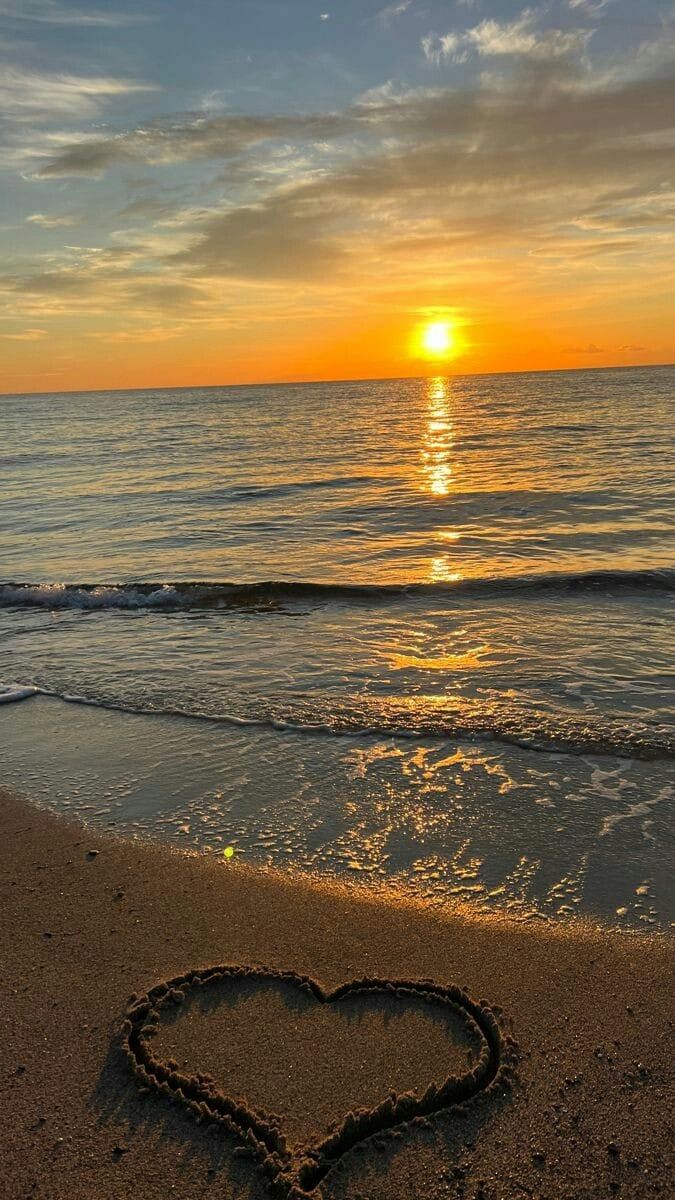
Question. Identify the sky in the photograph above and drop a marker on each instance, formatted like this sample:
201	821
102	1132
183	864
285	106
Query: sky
235	191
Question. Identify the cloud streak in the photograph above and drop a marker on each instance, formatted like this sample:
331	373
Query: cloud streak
390	12
26	94
189	138
49	12
591	8
54	221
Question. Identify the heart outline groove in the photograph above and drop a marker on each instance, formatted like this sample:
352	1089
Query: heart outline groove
296	1174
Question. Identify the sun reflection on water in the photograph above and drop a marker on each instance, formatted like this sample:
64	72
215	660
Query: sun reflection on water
438	439
442	570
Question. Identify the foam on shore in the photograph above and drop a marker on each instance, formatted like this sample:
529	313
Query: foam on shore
11	692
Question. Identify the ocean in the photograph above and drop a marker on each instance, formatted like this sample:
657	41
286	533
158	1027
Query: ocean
416	634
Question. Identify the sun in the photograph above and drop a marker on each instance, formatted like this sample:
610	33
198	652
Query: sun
437	338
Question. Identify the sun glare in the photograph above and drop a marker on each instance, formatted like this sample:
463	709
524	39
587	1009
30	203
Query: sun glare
437	338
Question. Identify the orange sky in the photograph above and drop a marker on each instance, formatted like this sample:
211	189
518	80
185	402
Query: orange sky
261	211
318	347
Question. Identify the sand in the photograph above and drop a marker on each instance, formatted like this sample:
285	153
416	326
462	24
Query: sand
89	919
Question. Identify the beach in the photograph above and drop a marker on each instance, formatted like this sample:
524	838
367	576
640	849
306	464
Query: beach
90	919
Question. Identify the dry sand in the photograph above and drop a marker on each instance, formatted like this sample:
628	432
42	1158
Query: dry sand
588	1116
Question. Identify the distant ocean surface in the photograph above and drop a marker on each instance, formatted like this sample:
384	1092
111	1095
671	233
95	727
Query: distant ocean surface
414	632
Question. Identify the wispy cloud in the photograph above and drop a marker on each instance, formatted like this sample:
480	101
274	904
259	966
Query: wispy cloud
26	94
517	38
492	37
25	335
50	12
52	222
188	138
390	12
590	7
437	48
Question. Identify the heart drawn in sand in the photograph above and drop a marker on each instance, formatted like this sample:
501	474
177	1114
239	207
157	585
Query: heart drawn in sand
294	1172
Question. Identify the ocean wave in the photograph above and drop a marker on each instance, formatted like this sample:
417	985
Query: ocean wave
274	594
542	733
279	490
11	692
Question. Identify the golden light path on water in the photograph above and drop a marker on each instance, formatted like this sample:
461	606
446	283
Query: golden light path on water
438	438
437	653
438	441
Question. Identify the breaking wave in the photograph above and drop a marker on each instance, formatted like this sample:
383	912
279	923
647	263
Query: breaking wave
272	595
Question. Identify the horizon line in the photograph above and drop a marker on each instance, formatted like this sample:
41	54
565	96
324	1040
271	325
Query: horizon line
189	387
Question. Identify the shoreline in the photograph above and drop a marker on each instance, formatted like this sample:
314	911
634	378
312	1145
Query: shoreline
289	803
91	919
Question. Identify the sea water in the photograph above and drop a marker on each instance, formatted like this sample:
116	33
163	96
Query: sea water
413	632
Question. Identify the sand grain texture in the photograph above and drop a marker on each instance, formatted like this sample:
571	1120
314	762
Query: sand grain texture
589	1116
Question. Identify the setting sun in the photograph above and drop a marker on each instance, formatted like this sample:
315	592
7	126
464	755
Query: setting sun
437	339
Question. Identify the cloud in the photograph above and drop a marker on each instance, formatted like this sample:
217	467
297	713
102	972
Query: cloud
516	38
390	12
25	335
283	238
519	37
519	177
25	94
485	165
51	222
491	37
188	138
545	61
435	48
50	12
589	7
591	348
148	335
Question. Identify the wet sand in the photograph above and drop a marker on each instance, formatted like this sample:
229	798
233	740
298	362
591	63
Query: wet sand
89	919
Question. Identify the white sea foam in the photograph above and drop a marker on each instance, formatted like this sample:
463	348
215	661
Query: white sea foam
62	595
10	692
642	808
518	729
